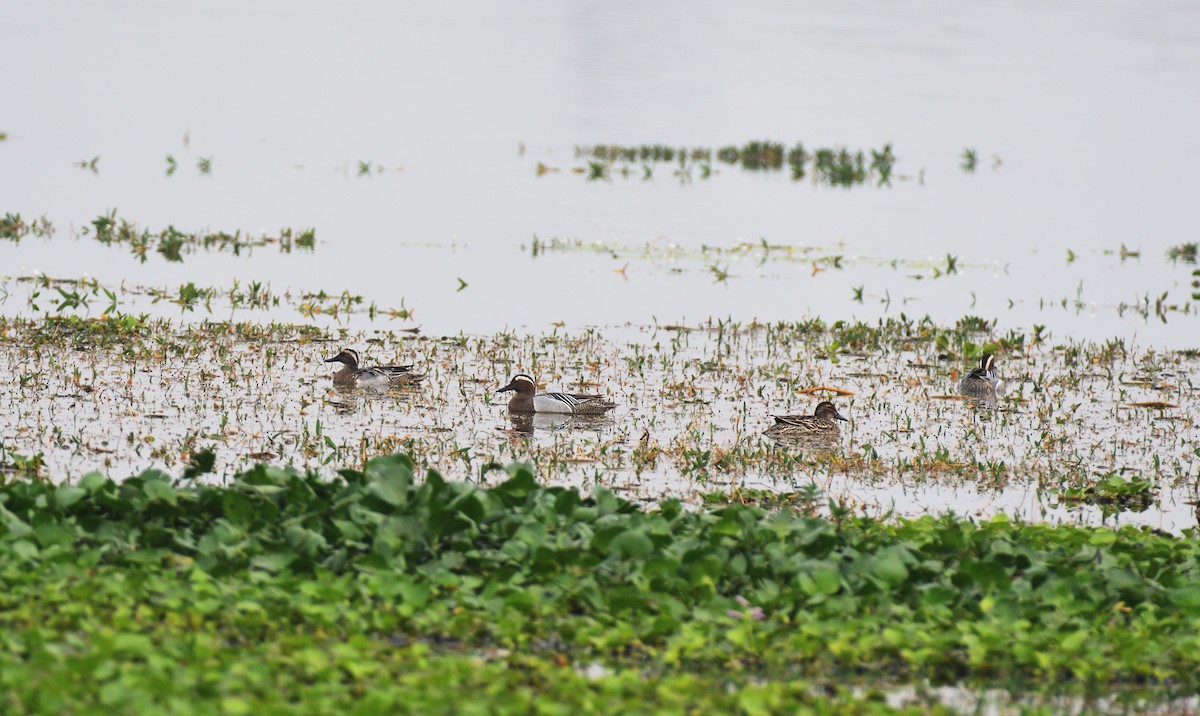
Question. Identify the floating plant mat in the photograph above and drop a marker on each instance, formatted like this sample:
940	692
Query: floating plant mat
282	591
693	402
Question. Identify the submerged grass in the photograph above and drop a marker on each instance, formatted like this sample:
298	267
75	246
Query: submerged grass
286	592
128	392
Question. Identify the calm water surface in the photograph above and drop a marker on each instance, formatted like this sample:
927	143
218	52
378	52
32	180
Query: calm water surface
1083	115
1090	109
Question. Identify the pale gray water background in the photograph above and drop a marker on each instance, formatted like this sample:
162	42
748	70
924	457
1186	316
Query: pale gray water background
1091	108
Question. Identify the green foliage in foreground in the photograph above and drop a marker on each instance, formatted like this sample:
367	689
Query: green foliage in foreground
286	592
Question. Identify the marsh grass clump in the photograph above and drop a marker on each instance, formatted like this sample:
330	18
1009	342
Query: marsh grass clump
1114	493
173	244
831	166
1184	252
91	165
969	160
13	227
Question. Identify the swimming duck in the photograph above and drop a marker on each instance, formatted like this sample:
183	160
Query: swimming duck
380	376
528	400
983	383
820	423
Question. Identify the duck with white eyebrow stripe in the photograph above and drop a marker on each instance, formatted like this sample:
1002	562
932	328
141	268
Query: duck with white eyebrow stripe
528	400
983	383
380	376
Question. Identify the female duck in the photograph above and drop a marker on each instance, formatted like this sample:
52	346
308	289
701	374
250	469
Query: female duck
822	423
528	400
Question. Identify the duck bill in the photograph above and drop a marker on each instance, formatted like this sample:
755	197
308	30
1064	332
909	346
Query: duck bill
839	416
511	386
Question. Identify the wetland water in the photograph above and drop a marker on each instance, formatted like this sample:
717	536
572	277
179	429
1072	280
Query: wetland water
410	141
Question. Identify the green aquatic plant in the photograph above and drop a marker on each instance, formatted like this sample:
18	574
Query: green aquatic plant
969	160
367	589
1114	492
173	244
833	166
1184	252
89	164
13	227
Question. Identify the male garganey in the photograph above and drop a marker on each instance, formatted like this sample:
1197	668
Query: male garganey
983	383
528	400
820	424
380	376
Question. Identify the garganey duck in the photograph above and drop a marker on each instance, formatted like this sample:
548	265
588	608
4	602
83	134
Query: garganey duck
983	383
822	423
380	376
528	400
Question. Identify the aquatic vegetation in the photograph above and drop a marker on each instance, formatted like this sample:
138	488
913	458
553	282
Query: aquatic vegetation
381	585
173	244
89	164
832	166
12	226
1113	490
1184	252
969	159
127	391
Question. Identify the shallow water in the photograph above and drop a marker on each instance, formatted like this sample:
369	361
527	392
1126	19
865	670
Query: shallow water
1088	108
1081	116
692	407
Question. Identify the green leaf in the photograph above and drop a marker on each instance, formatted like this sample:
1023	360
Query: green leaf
822	580
160	490
306	542
515	489
390	478
1187	598
238	509
632	543
67	495
94	482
